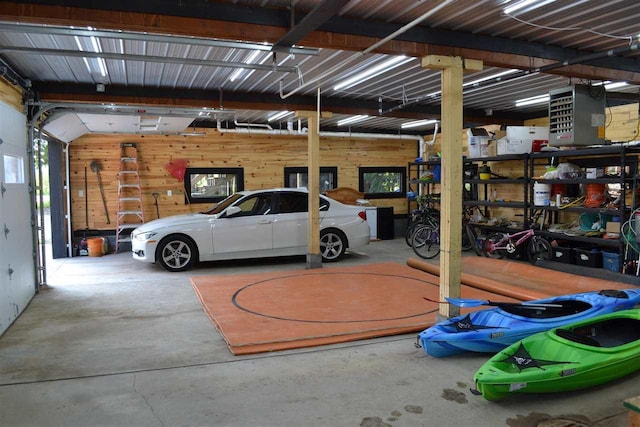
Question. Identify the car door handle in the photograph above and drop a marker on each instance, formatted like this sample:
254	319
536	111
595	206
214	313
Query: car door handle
265	221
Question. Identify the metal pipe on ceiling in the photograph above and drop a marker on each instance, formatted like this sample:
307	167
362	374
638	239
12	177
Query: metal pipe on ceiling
523	73
371	48
300	131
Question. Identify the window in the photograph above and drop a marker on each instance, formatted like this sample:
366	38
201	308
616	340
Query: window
259	204
293	202
296	177
211	185
383	182
13	169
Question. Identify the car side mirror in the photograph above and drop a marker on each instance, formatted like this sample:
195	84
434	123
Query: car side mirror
232	210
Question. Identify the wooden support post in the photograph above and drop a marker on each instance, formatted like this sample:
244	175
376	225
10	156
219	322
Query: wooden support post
314	258
452	174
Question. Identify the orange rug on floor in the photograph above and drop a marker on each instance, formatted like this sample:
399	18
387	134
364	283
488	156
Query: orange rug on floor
520	279
263	312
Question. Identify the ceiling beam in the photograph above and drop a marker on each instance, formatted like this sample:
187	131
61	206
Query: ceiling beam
310	22
146	58
54	92
220	20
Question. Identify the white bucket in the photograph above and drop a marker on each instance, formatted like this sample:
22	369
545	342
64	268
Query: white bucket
541	194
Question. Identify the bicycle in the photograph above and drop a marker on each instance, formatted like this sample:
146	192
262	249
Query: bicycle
429	215
425	215
498	245
425	240
469	235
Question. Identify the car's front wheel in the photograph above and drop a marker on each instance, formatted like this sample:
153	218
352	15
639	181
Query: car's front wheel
333	244
176	253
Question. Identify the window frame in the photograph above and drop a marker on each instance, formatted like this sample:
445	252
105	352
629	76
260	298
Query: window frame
402	193
239	172
288	170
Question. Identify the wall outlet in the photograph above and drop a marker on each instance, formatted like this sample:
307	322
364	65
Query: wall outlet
80	193
169	193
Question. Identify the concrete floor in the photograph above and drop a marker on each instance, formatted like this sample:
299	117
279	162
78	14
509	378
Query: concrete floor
114	342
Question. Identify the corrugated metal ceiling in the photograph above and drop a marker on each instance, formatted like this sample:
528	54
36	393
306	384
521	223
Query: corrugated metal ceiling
584	25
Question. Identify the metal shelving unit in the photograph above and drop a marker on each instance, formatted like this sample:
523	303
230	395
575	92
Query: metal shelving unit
624	157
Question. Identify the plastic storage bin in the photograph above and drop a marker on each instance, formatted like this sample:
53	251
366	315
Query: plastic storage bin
611	261
564	255
588	257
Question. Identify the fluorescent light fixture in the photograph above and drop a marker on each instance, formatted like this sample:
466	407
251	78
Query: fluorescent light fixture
418	123
278	115
372	72
540	99
615	85
353	119
249	60
529	4
102	65
495	76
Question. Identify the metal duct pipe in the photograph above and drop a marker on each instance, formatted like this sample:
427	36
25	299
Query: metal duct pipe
418	138
371	48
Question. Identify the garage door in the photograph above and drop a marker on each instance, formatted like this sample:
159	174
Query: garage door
17	271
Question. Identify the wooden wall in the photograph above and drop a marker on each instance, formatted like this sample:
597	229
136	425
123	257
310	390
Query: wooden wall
263	158
11	94
622	123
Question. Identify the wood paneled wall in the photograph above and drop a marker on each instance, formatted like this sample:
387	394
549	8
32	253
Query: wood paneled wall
263	158
11	94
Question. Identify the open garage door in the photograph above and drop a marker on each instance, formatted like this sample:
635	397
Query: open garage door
17	275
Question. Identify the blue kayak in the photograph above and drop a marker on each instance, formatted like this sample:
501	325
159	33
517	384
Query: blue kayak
493	329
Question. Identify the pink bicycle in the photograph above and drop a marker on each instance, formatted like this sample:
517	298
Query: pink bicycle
499	245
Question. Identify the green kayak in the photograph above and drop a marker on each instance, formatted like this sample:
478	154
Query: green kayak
576	356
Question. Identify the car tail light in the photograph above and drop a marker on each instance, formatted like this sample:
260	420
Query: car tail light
363	215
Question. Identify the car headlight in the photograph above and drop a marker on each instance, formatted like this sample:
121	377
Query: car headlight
145	236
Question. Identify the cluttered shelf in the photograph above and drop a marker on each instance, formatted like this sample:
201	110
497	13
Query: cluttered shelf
496	203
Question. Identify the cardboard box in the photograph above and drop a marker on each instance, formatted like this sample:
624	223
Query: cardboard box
595	172
612	227
514	146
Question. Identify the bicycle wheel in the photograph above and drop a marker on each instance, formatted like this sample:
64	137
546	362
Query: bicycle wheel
539	249
470	232
467	243
493	240
426	242
408	236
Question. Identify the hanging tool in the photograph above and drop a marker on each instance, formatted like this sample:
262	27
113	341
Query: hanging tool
155	196
95	167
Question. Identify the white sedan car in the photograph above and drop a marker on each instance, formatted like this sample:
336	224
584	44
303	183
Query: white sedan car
250	224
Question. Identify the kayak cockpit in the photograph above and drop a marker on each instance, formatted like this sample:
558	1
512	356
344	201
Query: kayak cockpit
557	308
608	333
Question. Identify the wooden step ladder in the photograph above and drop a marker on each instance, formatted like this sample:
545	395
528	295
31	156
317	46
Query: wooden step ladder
130	211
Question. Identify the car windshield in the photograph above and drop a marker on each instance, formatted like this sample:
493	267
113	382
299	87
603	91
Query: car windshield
222	205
